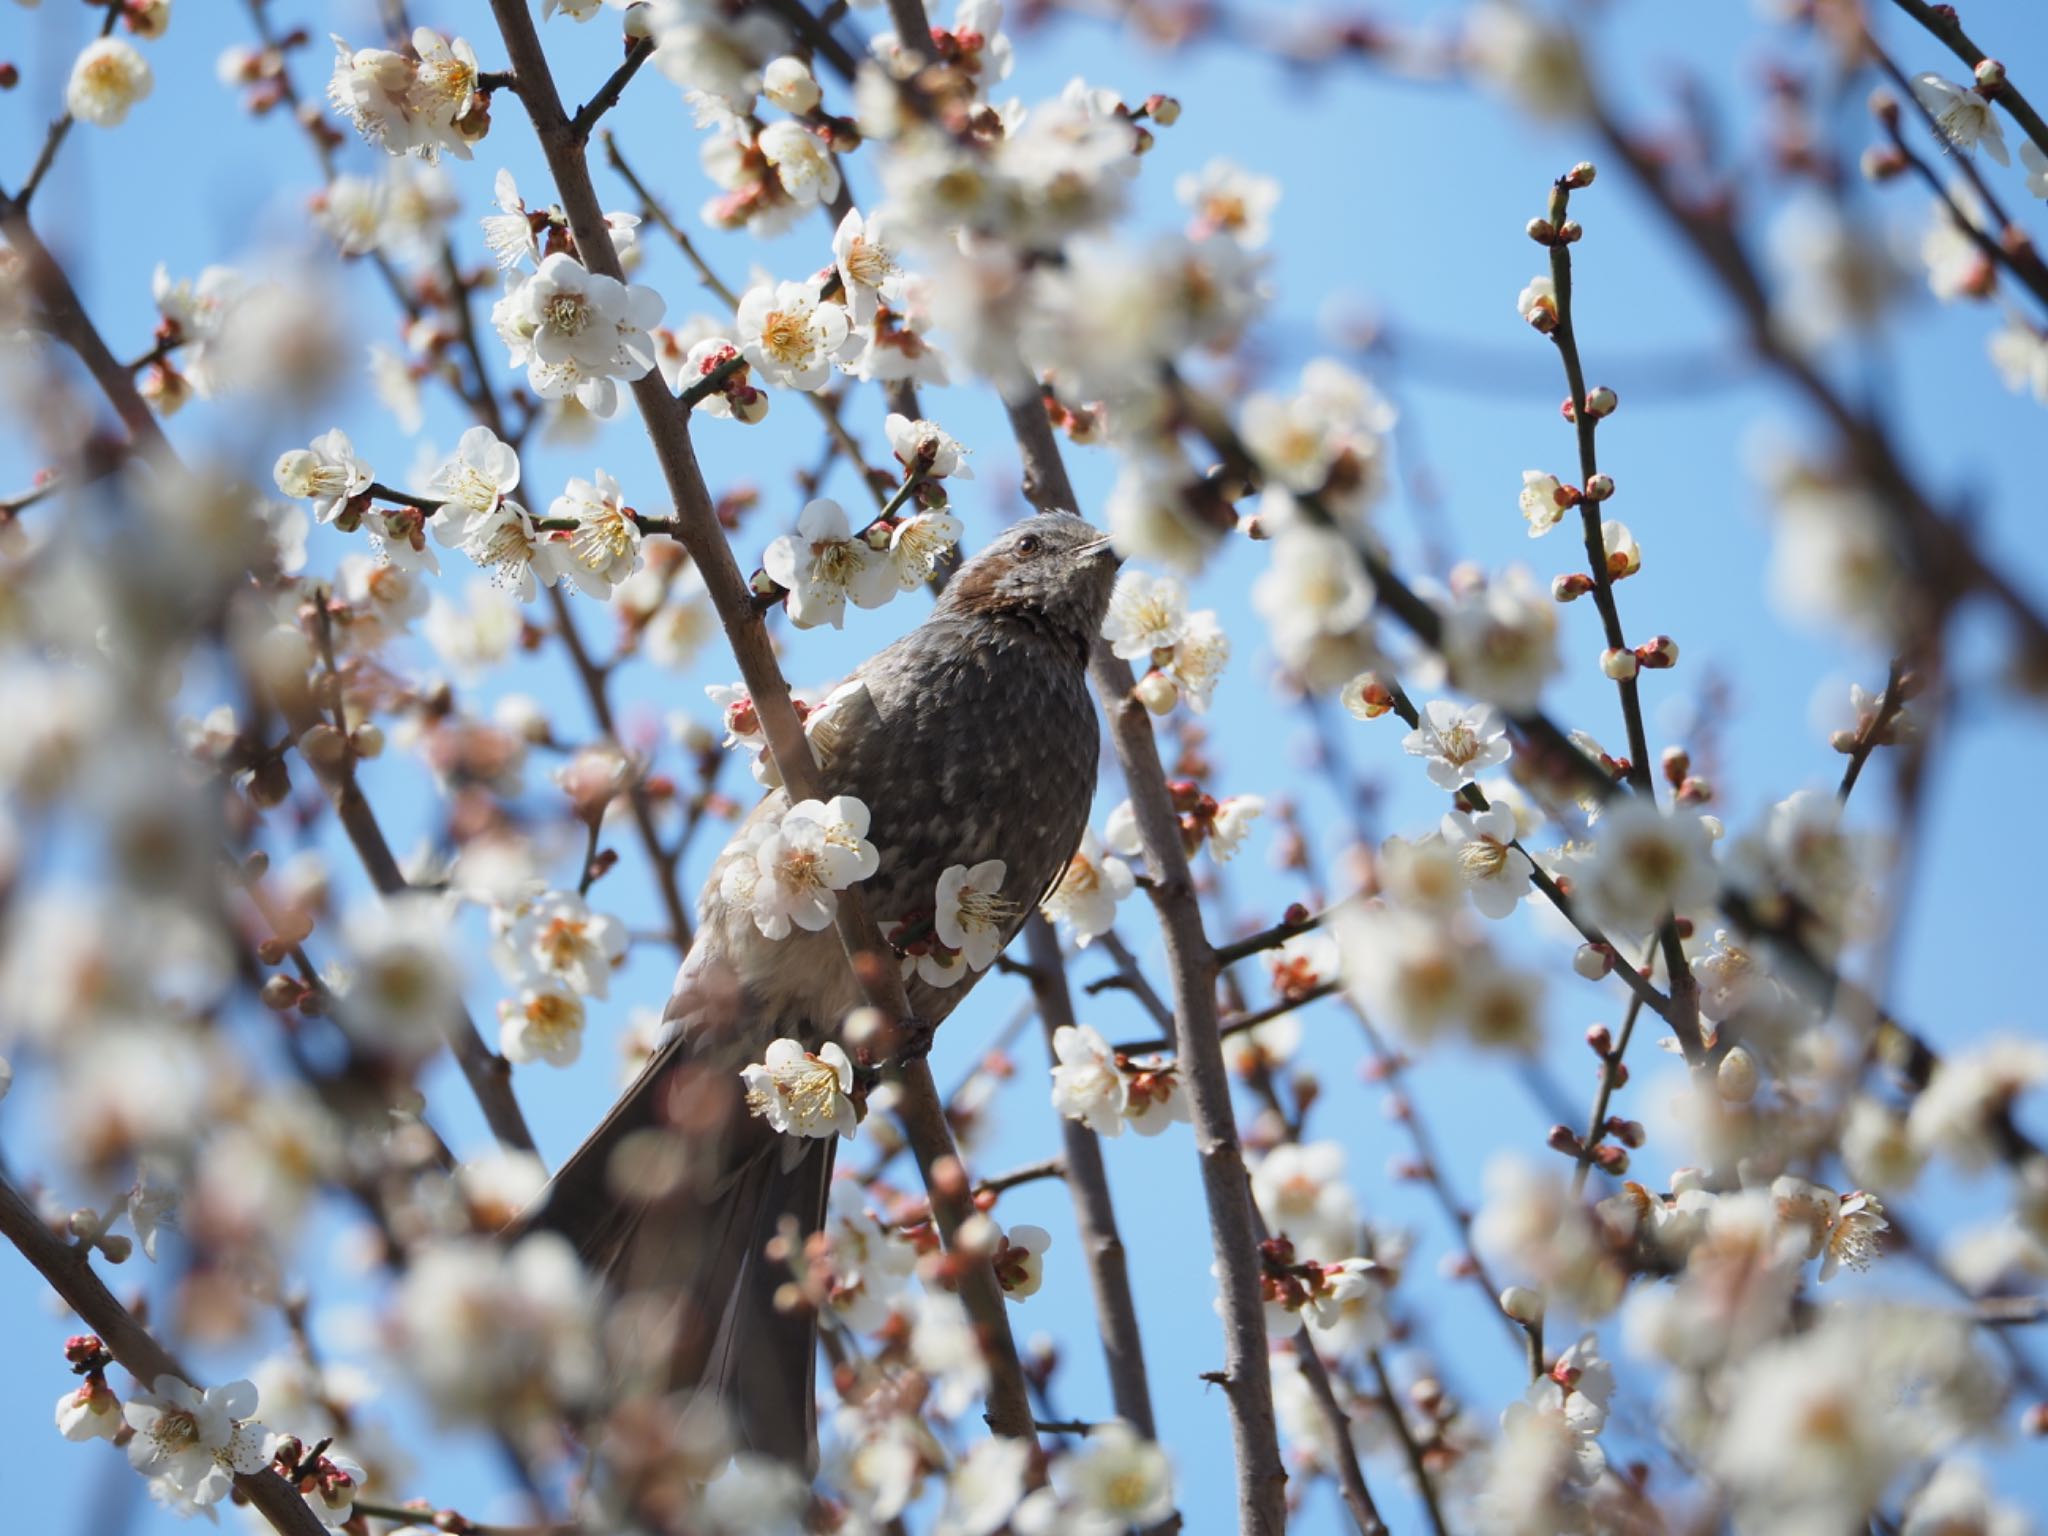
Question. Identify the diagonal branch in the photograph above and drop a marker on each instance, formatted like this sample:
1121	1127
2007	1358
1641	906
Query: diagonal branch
698	530
71	1275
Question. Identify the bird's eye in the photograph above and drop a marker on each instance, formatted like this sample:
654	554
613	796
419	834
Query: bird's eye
1028	545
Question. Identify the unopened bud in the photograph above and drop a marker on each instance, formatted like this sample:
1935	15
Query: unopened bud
323	746
1601	401
1569	232
1882	162
2035	1420
1163	110
1611	1159
1580	175
1658	654
1846	742
1541	232
1599	1039
1990	76
1628	1132
10	76
1524	1305
1677	763
1884	106
367	741
116	1246
1735	1078
1599	487
1617	1073
280	992
1563	1138
1156	692
788	83
1618	664
1570	588
1697	791
85	1223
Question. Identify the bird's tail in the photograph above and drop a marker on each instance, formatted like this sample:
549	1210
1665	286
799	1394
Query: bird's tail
674	1199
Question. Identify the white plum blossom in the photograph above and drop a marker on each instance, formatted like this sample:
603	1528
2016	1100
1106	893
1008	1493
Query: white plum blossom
986	1484
1115	1481
196	1441
789	83
1146	614
498	1334
803	1093
1084	901
1233	820
1087	1084
1328	439
705	46
2020	354
107	79
1456	744
1545	500
577	332
604	549
1314	595
1019	1260
543	1023
402	986
484	471
790	334
1963	115
1501	641
1960	1112
410	106
1302	1192
1199	657
557	938
1155	1096
925	446
972	912
1494	871
824	563
802	163
919	543
1527	55
1647	864
867	265
92	1412
327	473
817	850
1229	200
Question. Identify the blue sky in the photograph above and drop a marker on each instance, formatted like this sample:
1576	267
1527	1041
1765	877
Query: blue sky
1403	200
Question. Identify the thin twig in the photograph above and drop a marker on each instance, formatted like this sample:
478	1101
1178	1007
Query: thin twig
1102	1247
1941	21
638	52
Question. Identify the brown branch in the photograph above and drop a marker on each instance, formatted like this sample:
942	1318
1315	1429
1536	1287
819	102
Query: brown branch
1116	1309
638	52
697	528
1612	1067
1871	735
69	1271
1350	1476
1238	1023
1417	1467
1248	1384
1267	938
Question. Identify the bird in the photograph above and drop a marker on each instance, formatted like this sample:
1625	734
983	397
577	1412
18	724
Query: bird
972	738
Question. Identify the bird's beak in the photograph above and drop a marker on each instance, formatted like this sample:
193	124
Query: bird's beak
1101	548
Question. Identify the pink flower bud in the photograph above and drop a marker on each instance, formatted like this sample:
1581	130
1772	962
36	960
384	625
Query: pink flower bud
1676	763
1572	587
1563	1138
1611	1159
1163	110
1600	487
1569	232
1658	654
1601	401
1599	1039
1580	175
1618	663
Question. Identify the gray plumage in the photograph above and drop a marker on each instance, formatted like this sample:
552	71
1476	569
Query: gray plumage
971	738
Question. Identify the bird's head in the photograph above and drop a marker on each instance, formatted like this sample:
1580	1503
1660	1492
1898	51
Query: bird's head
1053	572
